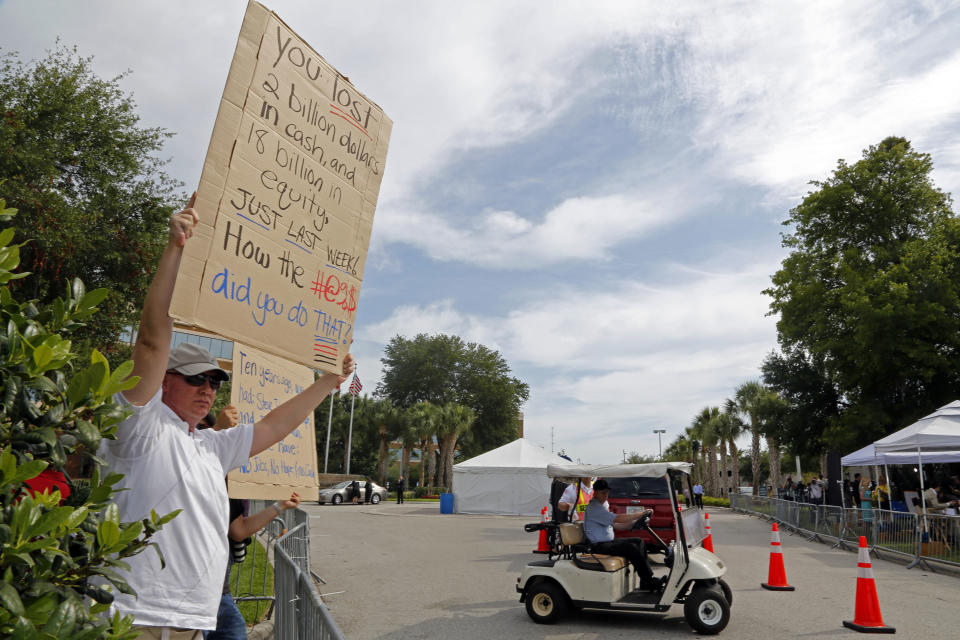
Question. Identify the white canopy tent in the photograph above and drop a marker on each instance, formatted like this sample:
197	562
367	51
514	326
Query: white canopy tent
510	480
868	457
937	432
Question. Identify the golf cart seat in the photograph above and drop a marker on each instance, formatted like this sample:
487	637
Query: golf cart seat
578	548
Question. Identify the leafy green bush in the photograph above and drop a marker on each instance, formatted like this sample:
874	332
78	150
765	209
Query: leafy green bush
58	554
421	492
709	501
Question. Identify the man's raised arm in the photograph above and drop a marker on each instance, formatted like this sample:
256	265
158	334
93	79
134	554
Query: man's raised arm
280	422
156	326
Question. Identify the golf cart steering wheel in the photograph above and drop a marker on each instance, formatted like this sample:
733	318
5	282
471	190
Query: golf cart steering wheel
643	522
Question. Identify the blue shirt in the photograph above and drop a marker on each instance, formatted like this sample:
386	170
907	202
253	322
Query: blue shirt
598	522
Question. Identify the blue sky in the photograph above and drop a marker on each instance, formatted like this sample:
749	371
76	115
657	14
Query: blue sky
594	189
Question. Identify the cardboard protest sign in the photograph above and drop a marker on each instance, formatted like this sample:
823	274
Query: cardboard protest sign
286	201
261	383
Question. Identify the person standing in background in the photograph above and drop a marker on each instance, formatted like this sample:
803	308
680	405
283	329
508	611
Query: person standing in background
698	495
401	486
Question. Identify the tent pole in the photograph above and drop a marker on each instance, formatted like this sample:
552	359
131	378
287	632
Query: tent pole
923	499
886	474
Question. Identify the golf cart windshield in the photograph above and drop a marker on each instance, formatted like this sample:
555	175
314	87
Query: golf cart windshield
694	530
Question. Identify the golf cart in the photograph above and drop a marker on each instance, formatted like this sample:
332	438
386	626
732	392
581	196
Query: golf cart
573	576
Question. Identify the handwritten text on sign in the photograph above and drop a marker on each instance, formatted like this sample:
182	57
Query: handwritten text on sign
260	384
286	252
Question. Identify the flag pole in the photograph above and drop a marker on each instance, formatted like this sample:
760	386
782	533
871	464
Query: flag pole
353	397
326	455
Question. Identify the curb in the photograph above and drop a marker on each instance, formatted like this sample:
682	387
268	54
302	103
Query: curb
261	631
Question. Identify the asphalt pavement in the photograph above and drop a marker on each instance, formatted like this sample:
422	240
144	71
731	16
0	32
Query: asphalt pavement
408	571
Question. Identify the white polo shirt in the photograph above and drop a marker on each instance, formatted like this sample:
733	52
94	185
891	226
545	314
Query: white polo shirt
166	468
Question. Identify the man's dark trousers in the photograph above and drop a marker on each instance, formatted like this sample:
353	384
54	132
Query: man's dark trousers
631	550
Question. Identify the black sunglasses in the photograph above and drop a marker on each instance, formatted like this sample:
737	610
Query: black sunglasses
198	379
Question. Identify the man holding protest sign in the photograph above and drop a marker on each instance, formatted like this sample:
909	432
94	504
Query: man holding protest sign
169	466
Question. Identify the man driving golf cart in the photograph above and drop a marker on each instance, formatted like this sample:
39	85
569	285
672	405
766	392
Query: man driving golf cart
598	526
579	572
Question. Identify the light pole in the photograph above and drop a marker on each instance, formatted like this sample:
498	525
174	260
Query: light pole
659	433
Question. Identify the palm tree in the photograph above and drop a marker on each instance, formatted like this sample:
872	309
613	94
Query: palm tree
772	409
408	438
710	415
704	436
720	423
455	420
733	426
749	399
383	414
424	416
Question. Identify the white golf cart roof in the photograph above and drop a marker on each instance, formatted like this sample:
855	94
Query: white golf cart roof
652	470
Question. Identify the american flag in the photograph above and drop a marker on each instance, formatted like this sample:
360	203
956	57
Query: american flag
355	386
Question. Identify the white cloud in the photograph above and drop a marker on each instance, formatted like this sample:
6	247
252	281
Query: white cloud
813	83
578	229
621	359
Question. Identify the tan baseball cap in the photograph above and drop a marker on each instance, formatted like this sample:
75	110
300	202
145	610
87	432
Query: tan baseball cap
190	359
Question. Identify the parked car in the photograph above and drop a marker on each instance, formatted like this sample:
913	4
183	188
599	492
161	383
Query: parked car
340	492
634	494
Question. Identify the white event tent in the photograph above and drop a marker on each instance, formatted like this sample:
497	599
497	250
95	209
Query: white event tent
510	480
931	435
868	457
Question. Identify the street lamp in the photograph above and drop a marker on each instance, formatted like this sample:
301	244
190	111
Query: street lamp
659	433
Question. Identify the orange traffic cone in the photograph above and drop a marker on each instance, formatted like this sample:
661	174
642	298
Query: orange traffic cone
708	541
542	546
777	579
866	616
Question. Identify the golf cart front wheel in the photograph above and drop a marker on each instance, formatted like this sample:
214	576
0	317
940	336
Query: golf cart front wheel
546	603
706	610
727	591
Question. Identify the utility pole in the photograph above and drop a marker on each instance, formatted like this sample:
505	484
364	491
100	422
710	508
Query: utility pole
659	433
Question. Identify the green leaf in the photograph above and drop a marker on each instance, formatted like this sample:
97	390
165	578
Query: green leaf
92	299
77	517
77	290
42	355
50	521
79	386
107	535
112	513
88	434
10	599
63	620
165	519
28	470
130	532
42	606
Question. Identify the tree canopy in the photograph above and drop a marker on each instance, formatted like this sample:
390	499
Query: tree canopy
868	297
86	179
441	369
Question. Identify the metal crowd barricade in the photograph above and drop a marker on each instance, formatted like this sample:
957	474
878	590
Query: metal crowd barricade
940	540
300	610
933	537
294	602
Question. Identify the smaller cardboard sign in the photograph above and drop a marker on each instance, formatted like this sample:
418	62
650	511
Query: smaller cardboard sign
261	383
